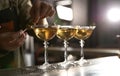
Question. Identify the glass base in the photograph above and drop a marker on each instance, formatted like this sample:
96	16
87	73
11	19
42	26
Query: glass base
46	67
82	62
64	65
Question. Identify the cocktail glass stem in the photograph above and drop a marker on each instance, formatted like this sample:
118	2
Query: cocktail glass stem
65	53
46	65
45	52
82	51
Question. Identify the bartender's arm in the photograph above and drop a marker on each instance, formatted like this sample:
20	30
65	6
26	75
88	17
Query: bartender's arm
38	11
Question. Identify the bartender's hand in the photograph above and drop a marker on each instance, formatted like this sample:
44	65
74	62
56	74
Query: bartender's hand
12	40
41	10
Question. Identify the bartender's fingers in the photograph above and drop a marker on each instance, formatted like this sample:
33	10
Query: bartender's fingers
45	9
19	41
15	35
48	13
51	13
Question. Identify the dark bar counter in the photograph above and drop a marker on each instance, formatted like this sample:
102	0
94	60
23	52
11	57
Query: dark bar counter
104	66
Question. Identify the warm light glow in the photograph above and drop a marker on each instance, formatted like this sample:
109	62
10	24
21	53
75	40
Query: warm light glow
114	14
64	13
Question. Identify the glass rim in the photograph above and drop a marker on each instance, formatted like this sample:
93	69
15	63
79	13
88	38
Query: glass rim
43	26
86	26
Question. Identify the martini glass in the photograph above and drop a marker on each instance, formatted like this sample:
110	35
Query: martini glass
65	33
82	33
45	33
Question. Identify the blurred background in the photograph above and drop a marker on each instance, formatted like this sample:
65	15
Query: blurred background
105	40
104	13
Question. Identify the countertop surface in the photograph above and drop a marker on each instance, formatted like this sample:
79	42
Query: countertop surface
104	66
